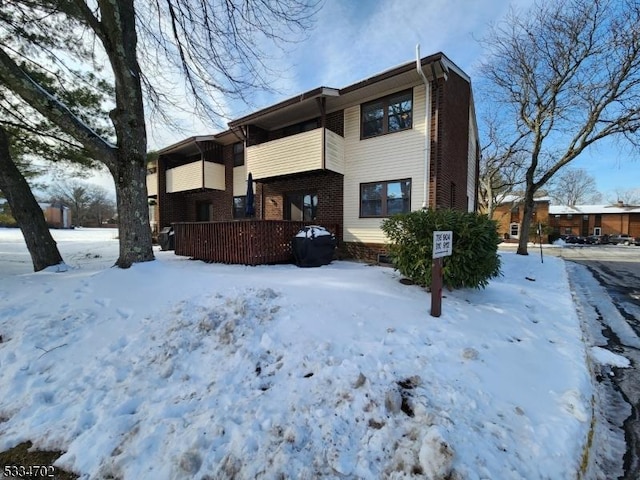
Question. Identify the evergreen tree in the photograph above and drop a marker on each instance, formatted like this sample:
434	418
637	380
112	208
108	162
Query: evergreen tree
215	45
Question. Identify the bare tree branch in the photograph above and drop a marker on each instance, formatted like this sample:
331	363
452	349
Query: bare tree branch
569	74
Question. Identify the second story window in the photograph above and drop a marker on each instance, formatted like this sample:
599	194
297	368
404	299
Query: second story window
238	154
386	115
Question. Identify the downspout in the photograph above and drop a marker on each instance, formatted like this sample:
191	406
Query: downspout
427	127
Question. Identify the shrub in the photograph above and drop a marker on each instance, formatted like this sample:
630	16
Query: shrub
7	220
474	260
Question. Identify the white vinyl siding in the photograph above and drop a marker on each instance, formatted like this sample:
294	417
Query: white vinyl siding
294	154
398	155
190	176
214	176
334	152
240	181
298	153
152	184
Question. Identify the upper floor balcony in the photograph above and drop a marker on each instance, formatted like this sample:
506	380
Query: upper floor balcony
195	175
318	149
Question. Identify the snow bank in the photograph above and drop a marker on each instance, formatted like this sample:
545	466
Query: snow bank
180	369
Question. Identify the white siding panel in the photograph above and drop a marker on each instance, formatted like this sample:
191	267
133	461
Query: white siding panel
184	177
388	157
240	181
294	154
214	176
334	152
152	184
190	176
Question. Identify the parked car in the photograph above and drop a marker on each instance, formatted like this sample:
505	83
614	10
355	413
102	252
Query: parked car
622	238
574	239
636	241
597	239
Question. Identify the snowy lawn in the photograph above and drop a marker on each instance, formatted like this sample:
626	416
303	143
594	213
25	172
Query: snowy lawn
181	369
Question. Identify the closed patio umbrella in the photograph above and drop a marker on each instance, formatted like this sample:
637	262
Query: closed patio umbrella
250	210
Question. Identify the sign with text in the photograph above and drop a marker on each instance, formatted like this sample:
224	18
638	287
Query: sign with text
442	244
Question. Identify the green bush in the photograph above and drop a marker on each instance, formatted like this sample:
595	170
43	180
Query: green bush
7	220
474	260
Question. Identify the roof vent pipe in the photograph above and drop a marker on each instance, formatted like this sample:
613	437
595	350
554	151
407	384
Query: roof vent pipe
427	128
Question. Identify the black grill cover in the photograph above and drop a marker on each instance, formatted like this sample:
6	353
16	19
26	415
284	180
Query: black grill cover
166	239
313	246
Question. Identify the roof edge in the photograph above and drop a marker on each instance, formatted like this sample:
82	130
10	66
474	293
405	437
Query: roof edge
316	92
185	142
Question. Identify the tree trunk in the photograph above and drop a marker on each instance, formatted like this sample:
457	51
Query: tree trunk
129	169
134	229
525	225
25	209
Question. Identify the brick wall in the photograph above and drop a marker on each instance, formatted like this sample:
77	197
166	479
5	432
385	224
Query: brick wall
328	186
504	215
450	101
367	252
334	121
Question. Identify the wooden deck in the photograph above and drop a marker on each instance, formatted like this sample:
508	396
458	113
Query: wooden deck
244	242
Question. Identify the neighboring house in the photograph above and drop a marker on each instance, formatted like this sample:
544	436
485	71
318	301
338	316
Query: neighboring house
582	220
56	215
396	142
508	214
587	220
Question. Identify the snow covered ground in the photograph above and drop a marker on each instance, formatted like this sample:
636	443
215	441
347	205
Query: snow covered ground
181	369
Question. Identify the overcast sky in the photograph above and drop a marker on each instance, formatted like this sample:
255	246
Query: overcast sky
353	40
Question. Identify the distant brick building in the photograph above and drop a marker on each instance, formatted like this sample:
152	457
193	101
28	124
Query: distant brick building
508	215
57	215
587	220
581	220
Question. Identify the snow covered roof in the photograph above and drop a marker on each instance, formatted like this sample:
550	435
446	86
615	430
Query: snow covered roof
519	198
591	209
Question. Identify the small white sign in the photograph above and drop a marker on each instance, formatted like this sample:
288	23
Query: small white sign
442	244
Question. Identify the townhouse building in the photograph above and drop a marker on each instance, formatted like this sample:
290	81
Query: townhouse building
402	140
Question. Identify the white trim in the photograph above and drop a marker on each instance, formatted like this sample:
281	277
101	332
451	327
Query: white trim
517	229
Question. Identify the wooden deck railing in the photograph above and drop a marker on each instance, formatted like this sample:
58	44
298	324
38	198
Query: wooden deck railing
245	242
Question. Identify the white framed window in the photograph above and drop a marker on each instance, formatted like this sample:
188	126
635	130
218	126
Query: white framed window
514	230
597	231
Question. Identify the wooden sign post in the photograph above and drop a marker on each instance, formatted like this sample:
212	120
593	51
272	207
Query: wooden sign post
442	247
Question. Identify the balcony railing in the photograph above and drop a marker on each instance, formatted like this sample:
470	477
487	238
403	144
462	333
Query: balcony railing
194	176
318	149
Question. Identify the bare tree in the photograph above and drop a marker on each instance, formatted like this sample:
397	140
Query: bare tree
628	196
213	44
573	186
501	169
75	196
89	204
568	74
101	208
